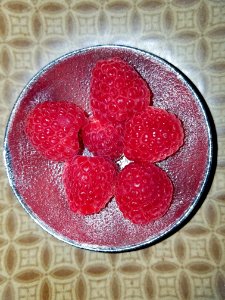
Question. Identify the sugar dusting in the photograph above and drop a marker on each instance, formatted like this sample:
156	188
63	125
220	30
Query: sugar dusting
39	181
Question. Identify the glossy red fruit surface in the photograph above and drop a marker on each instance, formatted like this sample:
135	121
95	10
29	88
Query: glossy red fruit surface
117	90
152	135
89	183
52	127
103	138
143	193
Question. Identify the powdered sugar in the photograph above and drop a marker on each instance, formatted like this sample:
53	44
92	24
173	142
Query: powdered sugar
38	184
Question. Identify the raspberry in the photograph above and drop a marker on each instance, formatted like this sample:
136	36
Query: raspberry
152	135
89	183
143	192
103	139
117	91
52	127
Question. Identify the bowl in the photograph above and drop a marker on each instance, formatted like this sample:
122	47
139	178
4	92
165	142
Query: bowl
37	182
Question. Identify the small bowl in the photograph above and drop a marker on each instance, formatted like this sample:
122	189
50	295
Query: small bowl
37	182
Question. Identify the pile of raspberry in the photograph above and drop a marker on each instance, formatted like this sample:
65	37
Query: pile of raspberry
123	123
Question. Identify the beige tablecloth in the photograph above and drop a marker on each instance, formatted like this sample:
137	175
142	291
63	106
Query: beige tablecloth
191	263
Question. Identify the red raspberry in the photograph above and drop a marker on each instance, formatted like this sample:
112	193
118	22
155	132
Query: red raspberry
143	192
52	127
152	135
89	183
103	139
117	91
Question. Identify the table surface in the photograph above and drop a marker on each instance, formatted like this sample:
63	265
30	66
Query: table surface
191	263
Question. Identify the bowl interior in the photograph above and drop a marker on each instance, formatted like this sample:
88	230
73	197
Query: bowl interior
37	182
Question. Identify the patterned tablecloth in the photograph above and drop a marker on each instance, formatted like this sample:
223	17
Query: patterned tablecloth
191	263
